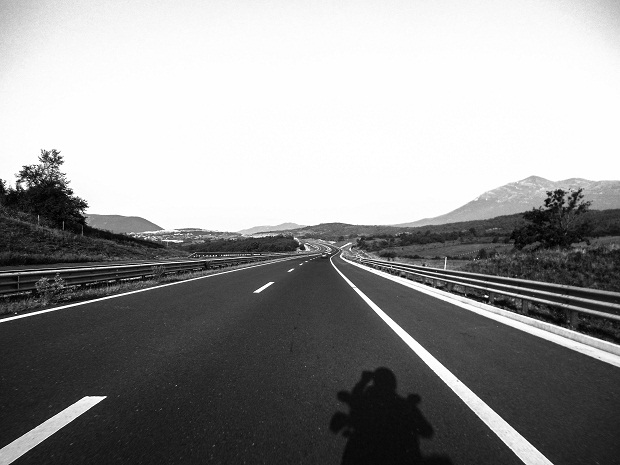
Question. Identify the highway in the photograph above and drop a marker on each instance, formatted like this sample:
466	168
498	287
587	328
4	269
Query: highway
300	361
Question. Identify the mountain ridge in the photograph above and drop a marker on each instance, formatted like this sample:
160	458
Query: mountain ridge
523	195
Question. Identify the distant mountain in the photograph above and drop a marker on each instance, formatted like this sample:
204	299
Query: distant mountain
262	229
521	196
121	224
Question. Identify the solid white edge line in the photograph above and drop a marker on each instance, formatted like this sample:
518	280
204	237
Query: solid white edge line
34	437
261	289
99	299
600	350
509	436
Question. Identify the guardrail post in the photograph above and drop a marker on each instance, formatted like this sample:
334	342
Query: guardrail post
573	319
525	306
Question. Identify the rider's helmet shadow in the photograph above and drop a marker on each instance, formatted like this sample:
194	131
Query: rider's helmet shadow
381	426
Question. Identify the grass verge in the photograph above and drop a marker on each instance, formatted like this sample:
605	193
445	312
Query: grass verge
594	268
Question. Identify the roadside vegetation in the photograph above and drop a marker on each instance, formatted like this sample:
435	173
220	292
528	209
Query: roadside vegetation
279	243
43	222
594	267
561	242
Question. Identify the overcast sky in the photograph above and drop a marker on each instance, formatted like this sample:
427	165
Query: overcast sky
231	114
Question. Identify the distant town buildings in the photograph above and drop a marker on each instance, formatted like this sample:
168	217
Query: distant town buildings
184	235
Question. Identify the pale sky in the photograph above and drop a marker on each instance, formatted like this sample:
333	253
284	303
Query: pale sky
231	114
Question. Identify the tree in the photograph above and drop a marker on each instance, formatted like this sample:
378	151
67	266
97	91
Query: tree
42	189
3	191
558	223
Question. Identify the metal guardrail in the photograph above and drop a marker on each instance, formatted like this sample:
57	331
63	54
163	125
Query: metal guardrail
573	300
18	282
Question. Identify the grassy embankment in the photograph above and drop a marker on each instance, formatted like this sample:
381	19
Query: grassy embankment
25	243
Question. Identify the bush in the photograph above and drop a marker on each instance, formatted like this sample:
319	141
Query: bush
158	272
389	254
50	289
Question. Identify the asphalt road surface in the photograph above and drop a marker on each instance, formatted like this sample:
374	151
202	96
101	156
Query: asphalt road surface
304	371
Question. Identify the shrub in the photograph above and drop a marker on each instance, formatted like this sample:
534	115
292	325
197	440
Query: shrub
158	272
50	289
389	254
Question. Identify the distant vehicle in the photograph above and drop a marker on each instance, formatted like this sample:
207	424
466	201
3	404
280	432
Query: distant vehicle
324	255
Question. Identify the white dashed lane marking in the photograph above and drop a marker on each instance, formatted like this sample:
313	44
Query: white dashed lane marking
261	289
14	450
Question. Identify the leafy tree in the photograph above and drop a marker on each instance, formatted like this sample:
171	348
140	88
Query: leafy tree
3	191
42	189
557	224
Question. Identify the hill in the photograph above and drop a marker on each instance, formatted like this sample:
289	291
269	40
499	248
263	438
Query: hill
121	224
264	229
521	196
25	243
606	223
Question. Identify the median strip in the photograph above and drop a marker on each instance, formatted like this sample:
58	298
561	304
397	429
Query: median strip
14	450
261	289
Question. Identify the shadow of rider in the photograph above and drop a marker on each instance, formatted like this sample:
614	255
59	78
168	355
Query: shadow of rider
381	426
